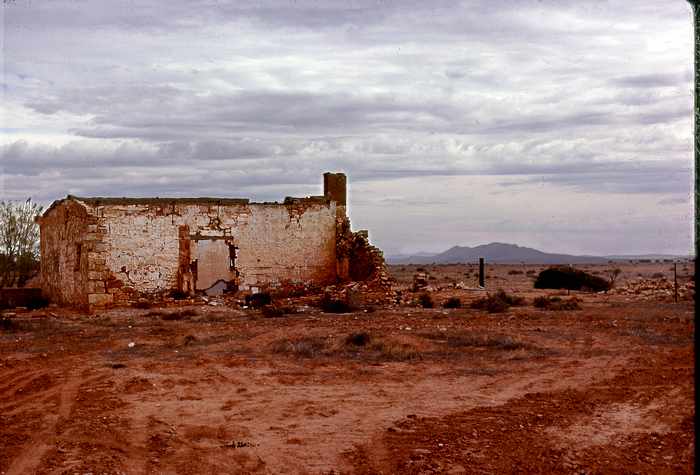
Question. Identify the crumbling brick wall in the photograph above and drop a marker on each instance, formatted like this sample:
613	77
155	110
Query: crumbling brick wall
99	251
141	246
358	260
66	242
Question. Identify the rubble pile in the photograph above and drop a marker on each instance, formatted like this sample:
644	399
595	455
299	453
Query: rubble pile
661	289
363	262
359	294
420	281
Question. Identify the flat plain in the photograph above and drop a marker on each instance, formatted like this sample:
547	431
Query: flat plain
391	387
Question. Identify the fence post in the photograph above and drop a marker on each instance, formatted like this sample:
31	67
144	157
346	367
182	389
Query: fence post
481	272
675	283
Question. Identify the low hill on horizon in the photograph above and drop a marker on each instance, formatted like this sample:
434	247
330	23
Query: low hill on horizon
503	253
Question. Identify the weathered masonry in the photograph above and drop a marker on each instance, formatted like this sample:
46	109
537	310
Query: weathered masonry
103	251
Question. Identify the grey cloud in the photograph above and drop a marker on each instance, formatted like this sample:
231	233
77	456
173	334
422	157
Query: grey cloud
255	98
651	80
675	201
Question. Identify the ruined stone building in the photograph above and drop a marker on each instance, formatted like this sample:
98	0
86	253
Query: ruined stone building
103	251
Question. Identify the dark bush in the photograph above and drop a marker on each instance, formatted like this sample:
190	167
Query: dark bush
491	304
452	302
498	302
570	304
658	275
258	300
509	299
541	302
330	305
189	339
7	323
358	339
425	300
178	295
514	272
531	272
270	311
570	278
142	304
556	303
37	302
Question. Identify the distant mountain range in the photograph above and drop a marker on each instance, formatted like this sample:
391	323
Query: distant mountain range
502	253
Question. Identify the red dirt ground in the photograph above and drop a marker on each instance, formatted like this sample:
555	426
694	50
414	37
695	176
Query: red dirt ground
604	389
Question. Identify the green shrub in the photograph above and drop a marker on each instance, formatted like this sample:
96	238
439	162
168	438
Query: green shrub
565	277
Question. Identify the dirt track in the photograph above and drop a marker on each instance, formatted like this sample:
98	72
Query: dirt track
604	389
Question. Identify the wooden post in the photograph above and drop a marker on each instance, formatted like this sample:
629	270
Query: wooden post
481	272
675	283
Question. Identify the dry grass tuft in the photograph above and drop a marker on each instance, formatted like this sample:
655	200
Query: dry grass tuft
306	347
556	303
498	302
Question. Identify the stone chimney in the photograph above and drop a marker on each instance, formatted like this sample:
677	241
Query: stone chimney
334	187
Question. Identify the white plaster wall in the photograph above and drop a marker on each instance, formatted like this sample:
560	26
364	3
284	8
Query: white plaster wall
274	241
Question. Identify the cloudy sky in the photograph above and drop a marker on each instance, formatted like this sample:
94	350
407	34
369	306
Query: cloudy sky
562	125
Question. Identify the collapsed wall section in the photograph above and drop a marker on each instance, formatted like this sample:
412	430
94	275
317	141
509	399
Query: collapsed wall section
357	259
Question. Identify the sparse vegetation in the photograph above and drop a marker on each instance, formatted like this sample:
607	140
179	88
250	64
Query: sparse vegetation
358	339
452	302
514	272
396	351
466	340
306	347
499	342
613	274
37	302
180	315
6	323
556	303
19	242
425	300
258	300
178	295
332	305
566	277
270	311
498	302
658	275
188	340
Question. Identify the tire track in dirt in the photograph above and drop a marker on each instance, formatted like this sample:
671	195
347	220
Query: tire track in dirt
30	457
589	428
